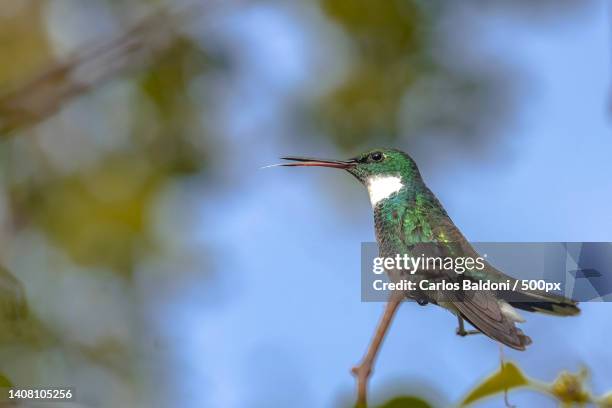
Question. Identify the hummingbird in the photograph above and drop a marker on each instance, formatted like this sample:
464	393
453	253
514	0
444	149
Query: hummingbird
408	218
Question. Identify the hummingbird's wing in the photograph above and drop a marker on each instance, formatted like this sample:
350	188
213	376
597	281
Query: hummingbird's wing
490	315
529	300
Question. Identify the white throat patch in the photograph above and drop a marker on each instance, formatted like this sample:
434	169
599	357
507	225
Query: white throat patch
381	187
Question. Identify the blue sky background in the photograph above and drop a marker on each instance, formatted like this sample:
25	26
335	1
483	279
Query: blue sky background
281	322
146	259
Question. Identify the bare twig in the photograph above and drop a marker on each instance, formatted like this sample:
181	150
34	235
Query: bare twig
364	369
502	362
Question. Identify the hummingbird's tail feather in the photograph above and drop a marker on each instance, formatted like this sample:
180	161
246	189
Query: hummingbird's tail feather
483	311
543	302
525	339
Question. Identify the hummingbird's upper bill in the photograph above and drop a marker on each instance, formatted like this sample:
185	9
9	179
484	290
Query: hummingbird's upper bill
306	161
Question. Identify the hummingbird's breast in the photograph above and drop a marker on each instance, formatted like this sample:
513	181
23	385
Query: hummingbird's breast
403	229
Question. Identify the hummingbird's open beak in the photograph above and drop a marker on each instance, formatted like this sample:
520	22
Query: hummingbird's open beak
306	161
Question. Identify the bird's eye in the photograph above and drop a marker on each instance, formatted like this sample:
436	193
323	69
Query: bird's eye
376	156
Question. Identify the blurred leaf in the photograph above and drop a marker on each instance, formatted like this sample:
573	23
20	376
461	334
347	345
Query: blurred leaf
605	401
569	388
17	325
23	41
510	376
389	40
397	85
406	402
170	75
97	216
366	105
13	303
5	382
110	354
382	30
168	140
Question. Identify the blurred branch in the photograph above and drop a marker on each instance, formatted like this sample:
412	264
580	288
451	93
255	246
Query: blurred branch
94	64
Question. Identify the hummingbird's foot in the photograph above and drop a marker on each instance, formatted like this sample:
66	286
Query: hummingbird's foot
462	332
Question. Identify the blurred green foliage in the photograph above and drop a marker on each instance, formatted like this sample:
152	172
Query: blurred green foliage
509	376
398	88
405	402
177	113
98	216
389	41
82	178
568	389
606	401
5	382
13	304
95	204
24	42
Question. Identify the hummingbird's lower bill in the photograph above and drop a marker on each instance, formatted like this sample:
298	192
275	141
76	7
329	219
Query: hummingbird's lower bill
407	214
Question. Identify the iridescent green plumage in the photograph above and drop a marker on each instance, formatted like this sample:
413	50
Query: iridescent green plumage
410	220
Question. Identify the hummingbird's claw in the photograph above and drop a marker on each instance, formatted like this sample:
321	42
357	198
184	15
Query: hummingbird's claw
463	333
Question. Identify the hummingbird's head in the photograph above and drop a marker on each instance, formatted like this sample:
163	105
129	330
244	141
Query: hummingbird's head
382	171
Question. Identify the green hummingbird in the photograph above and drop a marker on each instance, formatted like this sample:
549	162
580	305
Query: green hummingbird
408	217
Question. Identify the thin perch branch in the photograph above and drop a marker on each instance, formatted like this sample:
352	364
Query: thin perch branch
364	369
